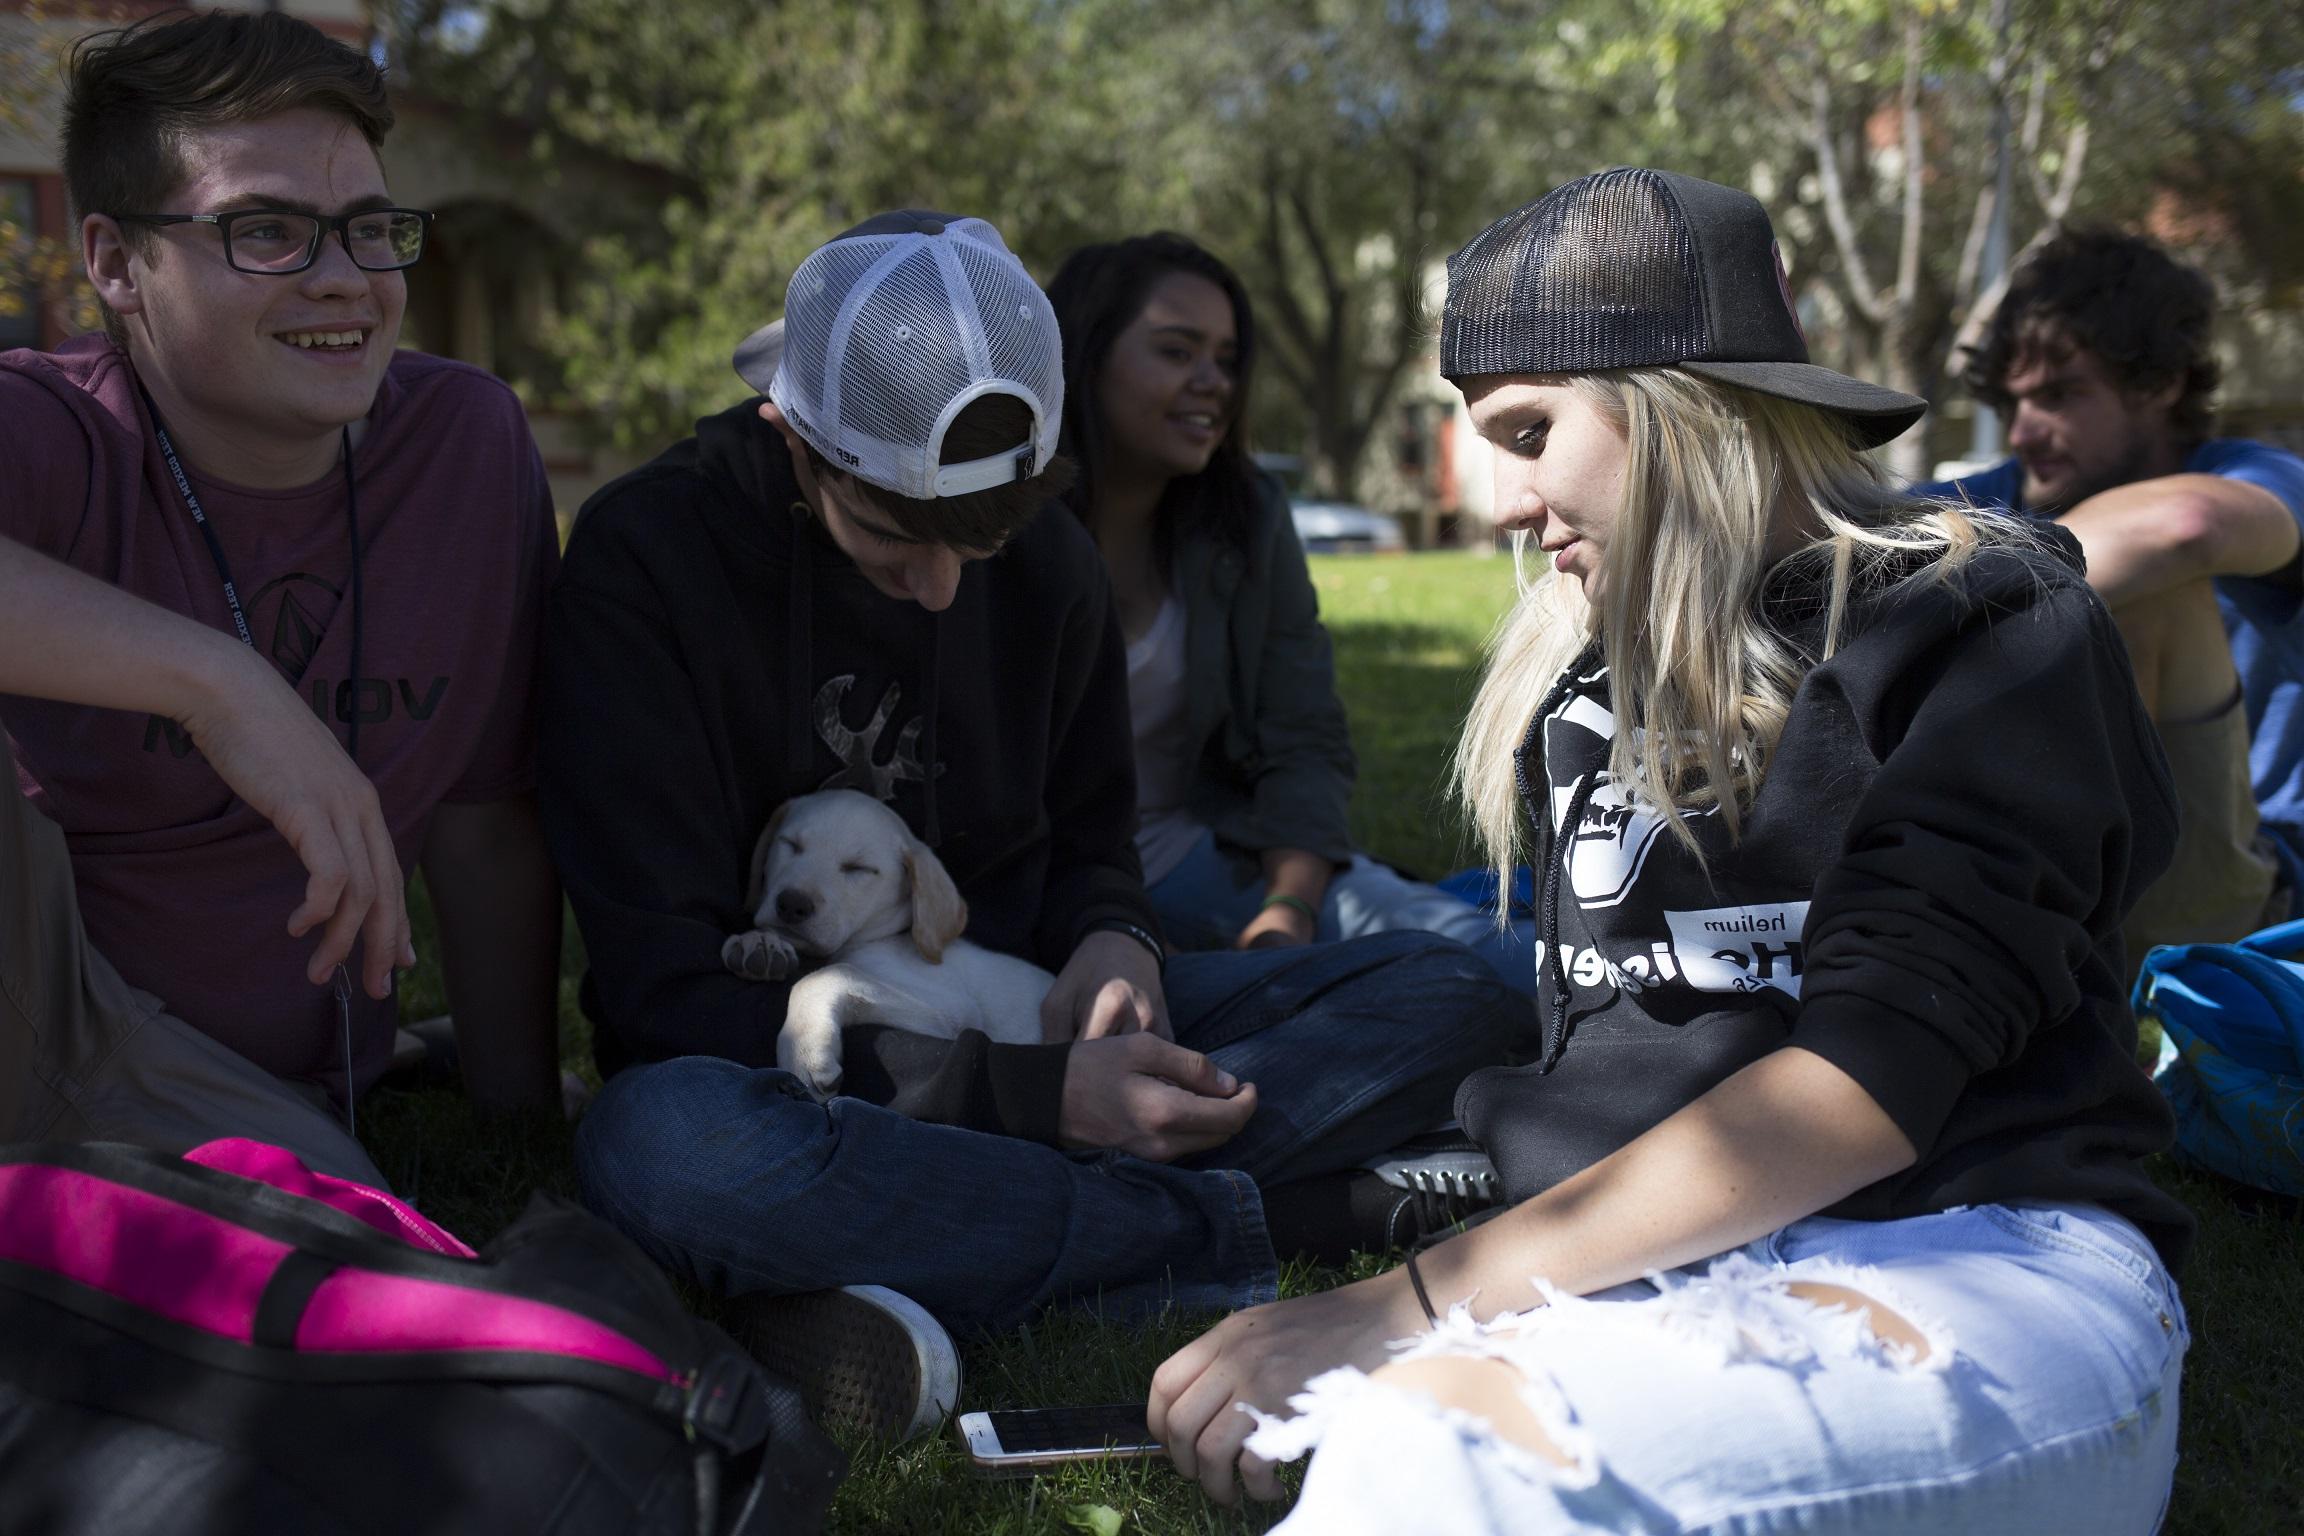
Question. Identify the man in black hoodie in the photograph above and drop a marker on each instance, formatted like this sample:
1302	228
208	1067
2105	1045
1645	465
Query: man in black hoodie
864	581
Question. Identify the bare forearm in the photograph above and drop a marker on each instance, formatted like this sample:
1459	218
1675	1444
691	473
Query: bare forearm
2150	536
498	903
65	635
1297	873
1295	883
1780	1140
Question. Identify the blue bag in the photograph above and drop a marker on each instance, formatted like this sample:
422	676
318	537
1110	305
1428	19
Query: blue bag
2232	1052
1477	887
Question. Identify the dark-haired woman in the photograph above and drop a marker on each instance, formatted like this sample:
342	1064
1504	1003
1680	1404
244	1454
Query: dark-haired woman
1829	1214
1243	760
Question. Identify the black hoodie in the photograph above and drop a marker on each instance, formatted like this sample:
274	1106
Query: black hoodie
1928	891
710	653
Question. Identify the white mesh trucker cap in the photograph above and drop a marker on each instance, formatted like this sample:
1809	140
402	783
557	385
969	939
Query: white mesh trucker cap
890	331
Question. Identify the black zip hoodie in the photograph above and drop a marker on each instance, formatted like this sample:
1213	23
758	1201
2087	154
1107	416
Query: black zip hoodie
1928	891
711	653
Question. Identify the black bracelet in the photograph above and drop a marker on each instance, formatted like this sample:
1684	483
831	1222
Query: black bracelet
1140	934
1423	1298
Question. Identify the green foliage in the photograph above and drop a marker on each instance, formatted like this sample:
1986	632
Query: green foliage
2121	109
1329	151
44	269
1333	150
779	126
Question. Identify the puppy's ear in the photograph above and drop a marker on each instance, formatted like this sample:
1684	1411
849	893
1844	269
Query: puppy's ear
938	913
759	875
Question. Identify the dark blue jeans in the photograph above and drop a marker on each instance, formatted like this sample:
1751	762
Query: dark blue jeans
735	1178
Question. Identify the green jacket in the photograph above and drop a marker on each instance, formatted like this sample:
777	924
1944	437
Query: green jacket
1275	765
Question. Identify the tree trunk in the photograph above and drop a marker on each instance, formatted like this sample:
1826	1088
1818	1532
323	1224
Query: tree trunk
1904	361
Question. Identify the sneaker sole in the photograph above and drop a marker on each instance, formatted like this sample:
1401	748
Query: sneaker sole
867	1360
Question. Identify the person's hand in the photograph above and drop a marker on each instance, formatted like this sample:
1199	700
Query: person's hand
273	752
1278	926
1110	986
1149	1097
1262	1357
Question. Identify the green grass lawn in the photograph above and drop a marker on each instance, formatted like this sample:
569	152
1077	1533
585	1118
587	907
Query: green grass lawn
1407	633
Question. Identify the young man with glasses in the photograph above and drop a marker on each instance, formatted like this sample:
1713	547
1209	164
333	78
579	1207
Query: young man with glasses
269	602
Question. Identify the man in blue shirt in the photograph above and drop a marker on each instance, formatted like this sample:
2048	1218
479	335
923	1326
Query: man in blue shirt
2099	359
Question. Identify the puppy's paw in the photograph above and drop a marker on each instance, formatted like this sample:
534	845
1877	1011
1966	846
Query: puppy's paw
759	955
812	1054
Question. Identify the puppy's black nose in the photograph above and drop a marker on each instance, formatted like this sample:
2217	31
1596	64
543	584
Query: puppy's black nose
794	906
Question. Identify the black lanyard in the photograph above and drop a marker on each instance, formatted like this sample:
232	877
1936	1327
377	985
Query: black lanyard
224	569
343	982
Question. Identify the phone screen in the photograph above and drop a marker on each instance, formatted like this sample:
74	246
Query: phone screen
1023	1431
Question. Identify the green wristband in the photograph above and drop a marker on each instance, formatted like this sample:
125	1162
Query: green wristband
1294	904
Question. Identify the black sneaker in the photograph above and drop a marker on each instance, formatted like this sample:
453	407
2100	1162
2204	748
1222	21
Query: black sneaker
1420	1189
1441	1181
867	1360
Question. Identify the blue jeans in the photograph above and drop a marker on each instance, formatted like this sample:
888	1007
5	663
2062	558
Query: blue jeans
1204	903
735	1178
2045	1399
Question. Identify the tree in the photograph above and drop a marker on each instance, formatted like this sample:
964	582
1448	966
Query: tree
1867	125
781	125
1333	150
1337	152
41	270
1330	152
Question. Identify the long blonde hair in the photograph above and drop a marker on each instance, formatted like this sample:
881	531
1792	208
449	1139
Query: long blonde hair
1699	683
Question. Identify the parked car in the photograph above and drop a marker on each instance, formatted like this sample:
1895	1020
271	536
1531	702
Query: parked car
1338	527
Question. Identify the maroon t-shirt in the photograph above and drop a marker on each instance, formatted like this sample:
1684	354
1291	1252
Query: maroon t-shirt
183	887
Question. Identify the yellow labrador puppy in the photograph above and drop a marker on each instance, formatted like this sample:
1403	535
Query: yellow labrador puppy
837	876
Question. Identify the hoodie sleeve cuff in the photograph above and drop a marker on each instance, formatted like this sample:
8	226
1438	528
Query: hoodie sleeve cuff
972	1082
1913	1073
1028	1088
1066	922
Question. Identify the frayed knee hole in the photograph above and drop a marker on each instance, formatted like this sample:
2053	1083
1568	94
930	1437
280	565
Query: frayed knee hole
1484	1387
1890	1328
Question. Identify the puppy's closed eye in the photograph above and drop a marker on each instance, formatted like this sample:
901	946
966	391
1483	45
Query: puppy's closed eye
839	878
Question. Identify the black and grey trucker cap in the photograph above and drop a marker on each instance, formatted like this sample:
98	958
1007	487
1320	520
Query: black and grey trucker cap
1635	268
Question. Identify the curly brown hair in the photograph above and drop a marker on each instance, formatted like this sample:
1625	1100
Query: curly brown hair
2120	298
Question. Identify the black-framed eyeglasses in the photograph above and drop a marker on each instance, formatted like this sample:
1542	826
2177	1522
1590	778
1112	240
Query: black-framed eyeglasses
277	242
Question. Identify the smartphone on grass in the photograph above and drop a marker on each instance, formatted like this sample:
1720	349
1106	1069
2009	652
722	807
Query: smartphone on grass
1019	1442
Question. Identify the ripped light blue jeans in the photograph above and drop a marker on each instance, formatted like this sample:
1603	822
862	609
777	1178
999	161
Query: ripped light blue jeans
1713	1400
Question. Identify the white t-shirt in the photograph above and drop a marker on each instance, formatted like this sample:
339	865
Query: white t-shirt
1160	713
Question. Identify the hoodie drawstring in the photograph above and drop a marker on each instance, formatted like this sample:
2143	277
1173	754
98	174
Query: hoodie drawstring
932	832
799	657
1559	847
1556	1028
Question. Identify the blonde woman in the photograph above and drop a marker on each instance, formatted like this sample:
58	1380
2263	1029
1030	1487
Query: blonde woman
1827	1206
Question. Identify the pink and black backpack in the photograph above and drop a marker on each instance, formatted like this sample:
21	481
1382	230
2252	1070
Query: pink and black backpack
228	1342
